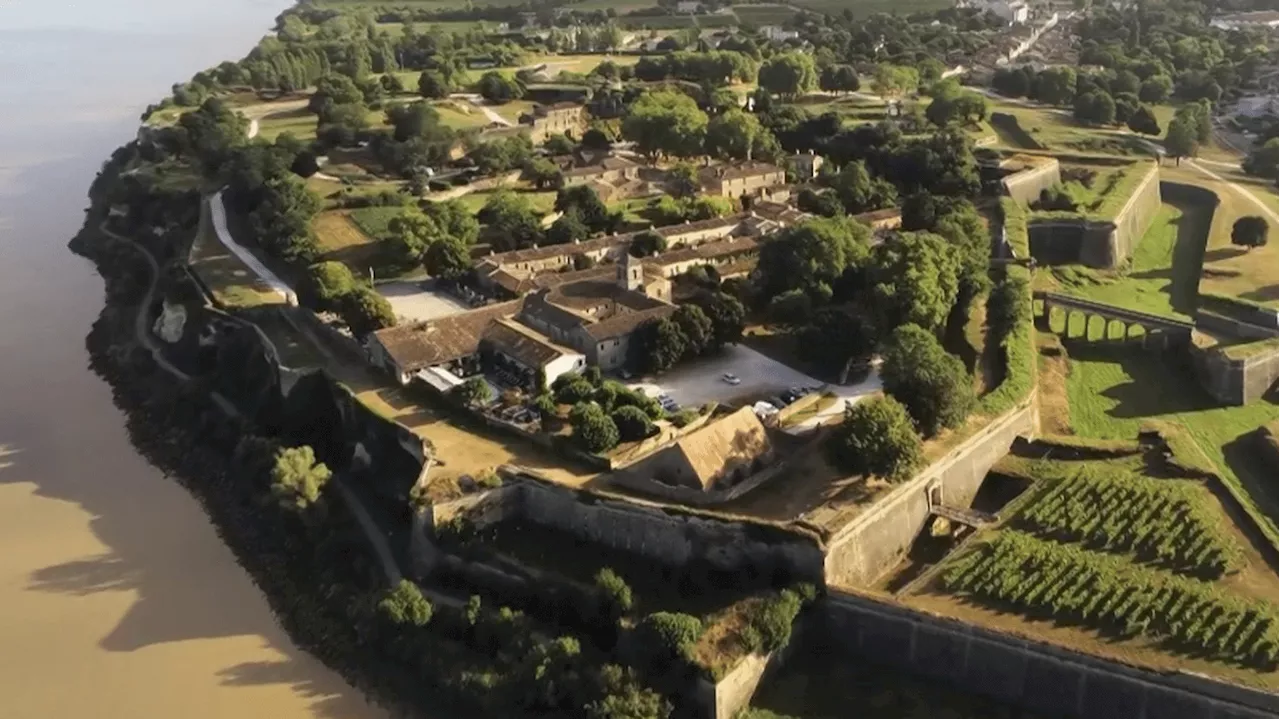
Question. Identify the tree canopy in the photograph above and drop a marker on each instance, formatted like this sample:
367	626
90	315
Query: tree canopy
914	278
297	479
932	384
665	123
876	438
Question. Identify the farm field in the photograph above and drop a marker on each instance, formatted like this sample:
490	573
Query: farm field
300	122
863	8
1083	564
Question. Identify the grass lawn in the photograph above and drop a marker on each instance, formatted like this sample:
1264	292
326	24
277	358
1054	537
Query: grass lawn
460	116
1112	389
871	7
764	14
229	279
346	237
512	111
295	349
300	122
543	202
1230	270
1164	272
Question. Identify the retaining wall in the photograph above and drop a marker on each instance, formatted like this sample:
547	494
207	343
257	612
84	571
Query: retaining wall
1026	185
1033	676
1235	381
1101	244
880	537
662	534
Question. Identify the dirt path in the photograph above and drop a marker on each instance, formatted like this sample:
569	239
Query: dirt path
1268	209
218	213
478	102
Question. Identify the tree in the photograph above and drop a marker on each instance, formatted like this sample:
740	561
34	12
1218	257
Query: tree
595	139
404	604
727	316
789	74
735	134
666	122
592	211
593	430
408	234
859	192
876	439
914	279
498	88
447	258
1262	161
433	85
834	338
475	391
625	698
1143	121
632	423
297	479
792	308
544	174
1250	232
839	78
328	283
1096	107
932	384
657	345
334	90
1056	86
512	219
454	219
696	328
682	180
568	228
1127	105
1180	141
647	244
366	311
810	255
391	84
558	145
893	81
1156	89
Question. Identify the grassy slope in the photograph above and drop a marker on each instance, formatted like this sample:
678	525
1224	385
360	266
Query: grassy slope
1164	272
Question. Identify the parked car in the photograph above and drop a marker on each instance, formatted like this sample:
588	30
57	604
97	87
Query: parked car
730	378
776	402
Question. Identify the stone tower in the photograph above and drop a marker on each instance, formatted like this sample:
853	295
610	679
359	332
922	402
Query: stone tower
631	274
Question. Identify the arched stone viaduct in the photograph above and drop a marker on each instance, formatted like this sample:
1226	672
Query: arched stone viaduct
1158	332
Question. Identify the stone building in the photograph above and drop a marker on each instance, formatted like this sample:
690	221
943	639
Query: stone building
743	179
557	119
721	454
806	165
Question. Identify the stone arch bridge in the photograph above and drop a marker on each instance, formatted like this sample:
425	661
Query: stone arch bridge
1158	331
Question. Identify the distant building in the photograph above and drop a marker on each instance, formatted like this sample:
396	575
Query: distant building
688	7
806	165
1014	12
1237	21
775	33
881	220
609	170
747	178
557	119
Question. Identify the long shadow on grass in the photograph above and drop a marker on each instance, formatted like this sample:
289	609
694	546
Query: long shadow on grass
1153	386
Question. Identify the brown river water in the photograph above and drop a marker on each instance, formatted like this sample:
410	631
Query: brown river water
117	599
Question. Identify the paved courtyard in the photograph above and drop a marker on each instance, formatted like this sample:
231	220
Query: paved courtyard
411	301
701	382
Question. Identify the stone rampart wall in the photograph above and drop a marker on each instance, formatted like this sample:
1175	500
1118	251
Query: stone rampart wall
880	537
1036	677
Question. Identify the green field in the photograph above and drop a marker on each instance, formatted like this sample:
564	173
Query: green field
373	221
302	123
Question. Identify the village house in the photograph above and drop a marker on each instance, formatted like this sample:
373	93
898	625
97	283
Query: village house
608	170
885	220
743	179
719	254
805	165
557	119
558	328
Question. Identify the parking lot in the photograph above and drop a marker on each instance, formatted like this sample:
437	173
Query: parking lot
415	302
759	376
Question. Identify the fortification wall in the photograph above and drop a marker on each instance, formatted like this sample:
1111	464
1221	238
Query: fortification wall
662	534
1107	245
1235	381
1033	676
1025	186
880	537
1131	223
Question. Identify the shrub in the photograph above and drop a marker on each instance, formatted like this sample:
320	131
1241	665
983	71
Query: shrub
773	618
664	636
1250	232
474	391
615	591
684	417
633	424
404	604
575	391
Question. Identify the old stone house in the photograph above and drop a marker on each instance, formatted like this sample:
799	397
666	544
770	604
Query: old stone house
744	179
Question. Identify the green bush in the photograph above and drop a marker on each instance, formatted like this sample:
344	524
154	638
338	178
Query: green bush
593	430
404	604
633	424
615	591
664	636
1015	345
876	438
772	620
